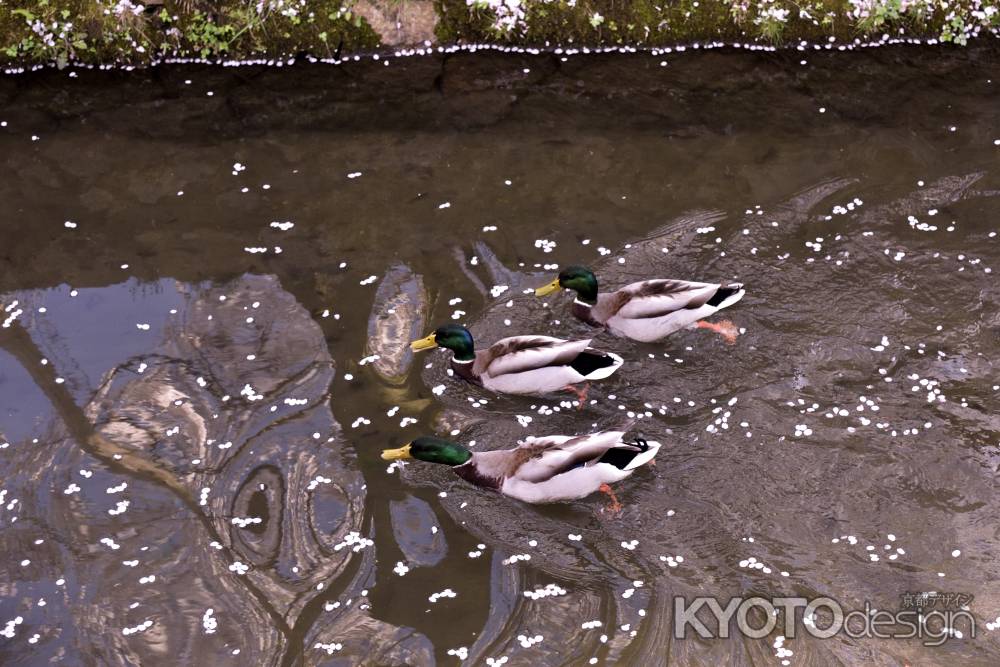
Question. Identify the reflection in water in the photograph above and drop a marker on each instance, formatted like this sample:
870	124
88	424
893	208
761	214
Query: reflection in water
207	466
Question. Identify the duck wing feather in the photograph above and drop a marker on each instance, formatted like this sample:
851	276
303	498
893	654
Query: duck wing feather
519	354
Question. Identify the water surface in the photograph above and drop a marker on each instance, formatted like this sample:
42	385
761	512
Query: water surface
191	414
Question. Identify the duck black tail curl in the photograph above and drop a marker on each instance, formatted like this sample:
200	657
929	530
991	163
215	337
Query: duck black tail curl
641	443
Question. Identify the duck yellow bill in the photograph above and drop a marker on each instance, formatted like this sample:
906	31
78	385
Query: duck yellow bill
553	286
425	343
397	454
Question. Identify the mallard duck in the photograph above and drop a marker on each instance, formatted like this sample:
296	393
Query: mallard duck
648	310
522	364
540	470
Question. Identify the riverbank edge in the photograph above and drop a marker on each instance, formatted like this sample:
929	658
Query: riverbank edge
131	34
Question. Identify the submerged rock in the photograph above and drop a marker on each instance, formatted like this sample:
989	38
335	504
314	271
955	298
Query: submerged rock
398	316
415	529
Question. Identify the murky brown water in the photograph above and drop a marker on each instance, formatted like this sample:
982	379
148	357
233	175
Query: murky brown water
188	425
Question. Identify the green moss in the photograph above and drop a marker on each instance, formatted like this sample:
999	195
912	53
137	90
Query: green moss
458	22
60	31
240	31
672	22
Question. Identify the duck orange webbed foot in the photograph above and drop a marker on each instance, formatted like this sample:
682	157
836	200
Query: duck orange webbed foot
581	394
614	506
725	328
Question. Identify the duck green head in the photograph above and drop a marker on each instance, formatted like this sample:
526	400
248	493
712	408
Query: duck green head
580	279
430	449
452	336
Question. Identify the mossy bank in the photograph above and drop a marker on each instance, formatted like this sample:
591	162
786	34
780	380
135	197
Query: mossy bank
129	32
